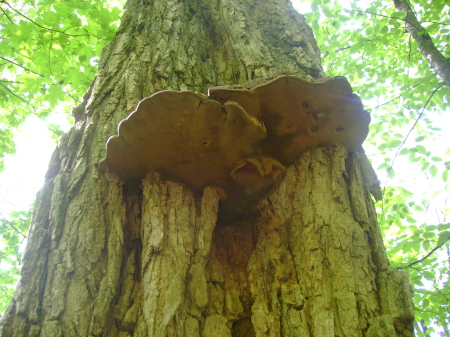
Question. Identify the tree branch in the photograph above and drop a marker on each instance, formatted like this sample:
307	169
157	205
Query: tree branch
12	226
20	98
6	81
393	17
396	97
18	65
76	100
6	15
426	256
404	140
37	24
426	46
50	29
414	125
434	286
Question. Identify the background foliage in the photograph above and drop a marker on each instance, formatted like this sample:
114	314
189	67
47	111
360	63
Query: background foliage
367	42
49	52
48	58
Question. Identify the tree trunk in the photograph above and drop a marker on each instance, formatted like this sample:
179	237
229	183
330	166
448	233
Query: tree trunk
101	261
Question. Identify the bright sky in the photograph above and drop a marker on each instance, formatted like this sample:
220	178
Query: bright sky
33	149
24	172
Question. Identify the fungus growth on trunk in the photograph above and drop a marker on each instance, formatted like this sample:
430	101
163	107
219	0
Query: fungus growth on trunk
238	139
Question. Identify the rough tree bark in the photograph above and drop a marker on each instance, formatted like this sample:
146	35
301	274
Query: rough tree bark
436	59
163	262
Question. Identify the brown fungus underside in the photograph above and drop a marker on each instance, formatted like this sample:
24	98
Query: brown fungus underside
238	139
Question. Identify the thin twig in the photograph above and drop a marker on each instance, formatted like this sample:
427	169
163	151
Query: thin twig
433	285
447	248
409	50
15	82
49	55
14	227
55	30
7	16
415	85
404	140
73	97
16	64
392	17
412	128
22	99
9	202
40	26
426	256
338	50
344	48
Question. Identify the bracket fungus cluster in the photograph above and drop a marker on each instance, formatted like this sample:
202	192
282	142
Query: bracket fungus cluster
240	140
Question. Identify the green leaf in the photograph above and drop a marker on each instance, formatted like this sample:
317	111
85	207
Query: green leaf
383	165
45	65
443	237
395	143
404	151
419	139
327	12
55	94
391	172
382	147
421	149
398	15
411	220
433	170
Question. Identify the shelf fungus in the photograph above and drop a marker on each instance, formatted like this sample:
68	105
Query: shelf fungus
237	139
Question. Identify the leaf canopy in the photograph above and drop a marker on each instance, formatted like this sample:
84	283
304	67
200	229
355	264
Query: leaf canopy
367	42
48	57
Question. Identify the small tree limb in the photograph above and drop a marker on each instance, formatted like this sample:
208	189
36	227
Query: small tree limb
12	226
18	65
426	46
426	256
